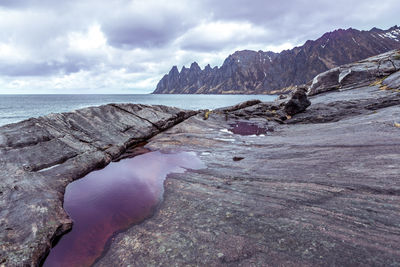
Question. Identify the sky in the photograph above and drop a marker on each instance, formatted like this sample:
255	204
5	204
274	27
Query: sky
126	46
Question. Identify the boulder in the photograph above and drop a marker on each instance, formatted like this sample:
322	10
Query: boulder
298	102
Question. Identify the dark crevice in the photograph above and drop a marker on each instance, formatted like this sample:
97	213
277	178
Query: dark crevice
59	233
35	168
394	66
320	200
127	111
32	143
374	190
133	151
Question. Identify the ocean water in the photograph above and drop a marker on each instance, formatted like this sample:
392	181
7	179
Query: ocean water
14	108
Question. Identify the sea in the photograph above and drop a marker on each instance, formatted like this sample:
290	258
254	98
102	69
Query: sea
15	108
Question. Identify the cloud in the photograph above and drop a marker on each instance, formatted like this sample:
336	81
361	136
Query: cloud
128	45
147	24
24	3
213	36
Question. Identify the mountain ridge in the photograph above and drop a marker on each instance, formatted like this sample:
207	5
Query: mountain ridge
259	72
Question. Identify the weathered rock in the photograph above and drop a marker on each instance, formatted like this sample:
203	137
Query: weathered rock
315	194
242	105
39	157
393	81
251	72
272	111
339	105
298	102
356	74
282	96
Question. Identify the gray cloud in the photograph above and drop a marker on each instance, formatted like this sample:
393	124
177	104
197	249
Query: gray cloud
38	69
131	33
146	26
70	64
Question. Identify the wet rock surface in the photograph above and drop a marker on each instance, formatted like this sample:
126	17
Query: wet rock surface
40	156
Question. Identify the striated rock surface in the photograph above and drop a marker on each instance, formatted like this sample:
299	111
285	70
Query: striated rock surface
361	73
39	157
392	81
305	194
251	72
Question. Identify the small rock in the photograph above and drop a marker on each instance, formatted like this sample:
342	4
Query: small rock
220	255
282	96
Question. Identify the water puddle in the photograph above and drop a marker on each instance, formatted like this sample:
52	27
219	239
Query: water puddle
112	199
247	128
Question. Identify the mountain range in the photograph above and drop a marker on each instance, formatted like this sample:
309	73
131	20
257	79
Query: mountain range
259	72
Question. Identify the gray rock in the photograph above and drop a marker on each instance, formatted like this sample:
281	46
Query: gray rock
39	157
336	106
356	74
298	102
393	81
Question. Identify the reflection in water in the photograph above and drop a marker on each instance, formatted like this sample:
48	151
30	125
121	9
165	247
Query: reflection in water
247	128
112	199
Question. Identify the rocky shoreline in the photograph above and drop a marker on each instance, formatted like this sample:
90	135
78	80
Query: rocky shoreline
319	188
39	157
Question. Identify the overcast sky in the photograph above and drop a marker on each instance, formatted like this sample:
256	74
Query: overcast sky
123	46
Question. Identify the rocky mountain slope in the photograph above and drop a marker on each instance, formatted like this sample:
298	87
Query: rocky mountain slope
251	72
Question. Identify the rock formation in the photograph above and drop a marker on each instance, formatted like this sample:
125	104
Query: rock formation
39	157
251	72
362	73
298	102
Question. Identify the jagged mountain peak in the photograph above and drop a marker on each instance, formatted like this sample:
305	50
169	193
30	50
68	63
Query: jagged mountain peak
207	68
195	67
259	72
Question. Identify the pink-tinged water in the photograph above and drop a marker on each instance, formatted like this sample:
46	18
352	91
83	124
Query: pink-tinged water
112	199
247	128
